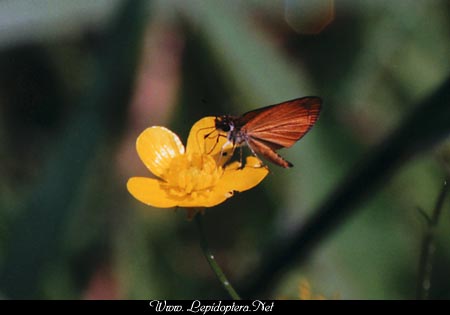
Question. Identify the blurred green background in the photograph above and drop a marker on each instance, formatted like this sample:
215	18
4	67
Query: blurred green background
79	80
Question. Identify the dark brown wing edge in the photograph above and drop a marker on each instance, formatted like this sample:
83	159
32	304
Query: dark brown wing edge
244	118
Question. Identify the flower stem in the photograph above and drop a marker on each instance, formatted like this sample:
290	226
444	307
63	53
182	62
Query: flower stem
212	261
428	246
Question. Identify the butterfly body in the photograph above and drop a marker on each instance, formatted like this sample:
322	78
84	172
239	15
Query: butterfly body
231	125
273	127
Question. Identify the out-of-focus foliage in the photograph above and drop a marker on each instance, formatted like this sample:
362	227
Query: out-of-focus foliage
79	81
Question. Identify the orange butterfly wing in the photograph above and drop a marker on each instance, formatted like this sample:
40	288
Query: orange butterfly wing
281	125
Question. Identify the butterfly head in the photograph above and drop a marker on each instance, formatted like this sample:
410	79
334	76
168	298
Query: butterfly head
224	123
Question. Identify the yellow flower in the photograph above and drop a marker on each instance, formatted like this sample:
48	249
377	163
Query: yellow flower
193	178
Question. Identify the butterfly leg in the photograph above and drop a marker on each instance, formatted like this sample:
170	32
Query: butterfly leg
253	152
241	160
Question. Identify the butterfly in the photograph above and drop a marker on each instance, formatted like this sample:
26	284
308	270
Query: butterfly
271	128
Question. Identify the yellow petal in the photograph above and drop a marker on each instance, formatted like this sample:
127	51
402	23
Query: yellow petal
157	146
236	179
150	192
204	201
205	139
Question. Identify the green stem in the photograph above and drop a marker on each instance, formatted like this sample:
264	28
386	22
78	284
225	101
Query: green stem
428	247
212	261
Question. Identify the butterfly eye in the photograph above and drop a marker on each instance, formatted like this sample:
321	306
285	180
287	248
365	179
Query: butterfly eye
225	127
223	124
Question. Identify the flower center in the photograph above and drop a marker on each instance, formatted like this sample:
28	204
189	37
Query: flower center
191	174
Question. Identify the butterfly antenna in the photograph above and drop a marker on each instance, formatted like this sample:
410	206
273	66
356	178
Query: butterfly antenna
204	137
215	144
